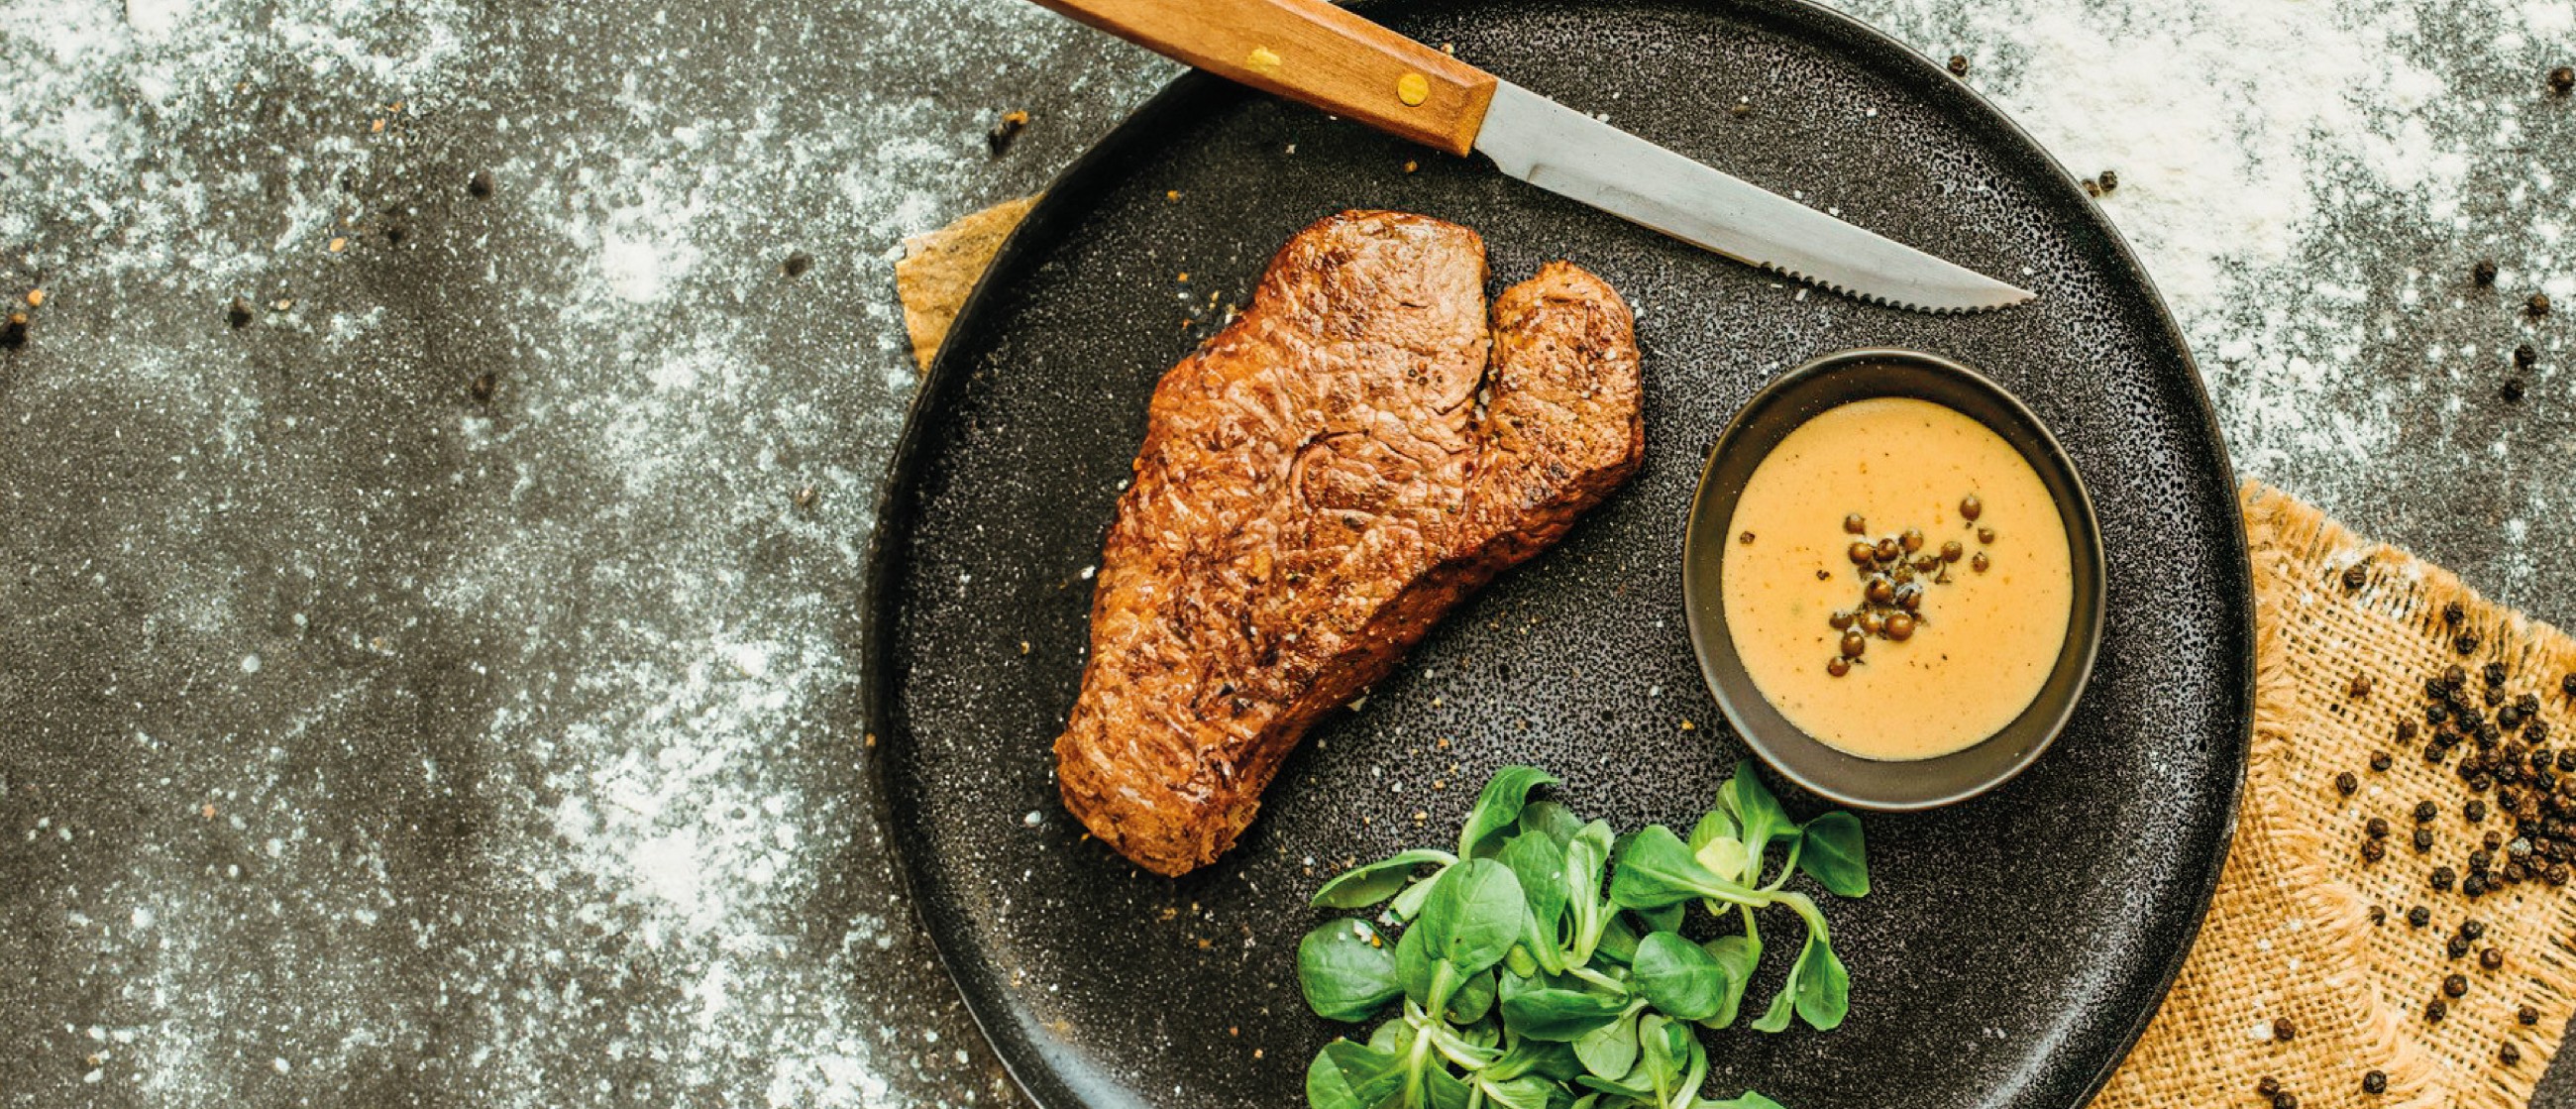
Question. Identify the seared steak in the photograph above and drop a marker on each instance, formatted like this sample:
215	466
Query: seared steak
1319	483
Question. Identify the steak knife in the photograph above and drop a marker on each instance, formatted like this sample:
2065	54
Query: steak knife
1311	51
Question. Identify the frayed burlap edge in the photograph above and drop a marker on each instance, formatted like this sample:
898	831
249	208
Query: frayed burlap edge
2291	933
940	267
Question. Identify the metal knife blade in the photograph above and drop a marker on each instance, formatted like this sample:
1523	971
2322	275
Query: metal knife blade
1566	152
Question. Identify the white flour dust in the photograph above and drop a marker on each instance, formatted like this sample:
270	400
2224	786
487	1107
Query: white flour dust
2257	143
663	889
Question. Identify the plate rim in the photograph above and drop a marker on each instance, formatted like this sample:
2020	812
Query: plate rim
994	1018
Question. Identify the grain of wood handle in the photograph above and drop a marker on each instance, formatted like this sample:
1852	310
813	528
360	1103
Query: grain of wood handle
1312	51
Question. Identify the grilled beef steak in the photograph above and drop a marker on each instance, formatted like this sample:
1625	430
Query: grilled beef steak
1319	483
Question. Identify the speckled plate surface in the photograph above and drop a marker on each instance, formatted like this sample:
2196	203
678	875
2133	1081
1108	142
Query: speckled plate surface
2014	945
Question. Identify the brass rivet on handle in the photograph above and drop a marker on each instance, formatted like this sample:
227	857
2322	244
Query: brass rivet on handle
1413	89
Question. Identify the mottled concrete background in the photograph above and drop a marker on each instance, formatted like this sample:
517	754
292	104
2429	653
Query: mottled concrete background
431	500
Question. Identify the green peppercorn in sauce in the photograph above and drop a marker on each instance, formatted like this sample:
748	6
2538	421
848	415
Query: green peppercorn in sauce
1907	587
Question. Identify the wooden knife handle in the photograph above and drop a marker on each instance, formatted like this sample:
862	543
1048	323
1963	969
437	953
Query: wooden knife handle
1312	51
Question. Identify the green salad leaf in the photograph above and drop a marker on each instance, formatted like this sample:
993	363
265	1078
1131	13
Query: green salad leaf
1347	970
1366	885
1550	963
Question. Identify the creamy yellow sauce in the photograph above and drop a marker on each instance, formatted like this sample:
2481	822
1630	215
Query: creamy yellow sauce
1984	642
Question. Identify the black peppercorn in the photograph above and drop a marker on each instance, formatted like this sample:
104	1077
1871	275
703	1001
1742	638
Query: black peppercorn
2561	80
2436	1009
2267	1086
2537	306
2356	575
2466	644
2373	850
2442	878
2425	811
2474	929
2491	959
2512	390
2523	359
2508	1054
2283	1030
2375	1082
2379	760
2526	1016
2285	1100
1958	65
2377	828
2360	686
2475	810
2347	784
479	184
2493	672
2457	948
2423	840
2378	915
1980	562
2456	985
2483	274
2419	916
238	313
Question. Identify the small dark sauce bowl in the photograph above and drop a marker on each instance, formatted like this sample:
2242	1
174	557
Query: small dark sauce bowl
1828	382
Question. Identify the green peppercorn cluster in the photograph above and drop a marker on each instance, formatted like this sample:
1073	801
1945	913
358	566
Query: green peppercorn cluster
1894	571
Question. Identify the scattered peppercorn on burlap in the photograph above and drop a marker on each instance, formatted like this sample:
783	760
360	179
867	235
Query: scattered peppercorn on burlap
2291	935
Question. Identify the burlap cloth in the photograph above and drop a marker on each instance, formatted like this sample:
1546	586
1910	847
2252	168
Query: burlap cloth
2291	933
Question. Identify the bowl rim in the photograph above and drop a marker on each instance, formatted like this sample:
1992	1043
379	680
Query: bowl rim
2080	501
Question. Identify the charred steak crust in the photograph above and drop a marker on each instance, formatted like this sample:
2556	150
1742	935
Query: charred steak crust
1319	483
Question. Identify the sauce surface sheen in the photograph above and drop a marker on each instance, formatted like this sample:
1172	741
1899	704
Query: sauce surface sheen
1985	642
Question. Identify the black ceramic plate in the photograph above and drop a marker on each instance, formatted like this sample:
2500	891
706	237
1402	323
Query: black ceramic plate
2014	945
